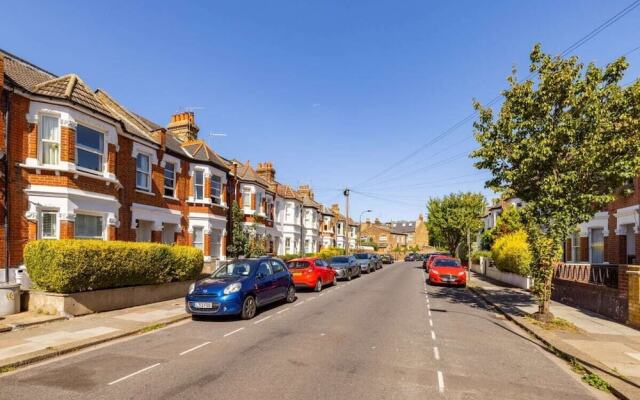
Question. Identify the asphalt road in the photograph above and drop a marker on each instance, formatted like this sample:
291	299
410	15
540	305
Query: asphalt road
382	336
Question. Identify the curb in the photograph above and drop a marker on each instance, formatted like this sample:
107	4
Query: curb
548	345
42	355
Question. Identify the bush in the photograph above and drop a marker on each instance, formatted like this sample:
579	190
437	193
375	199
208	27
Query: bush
289	257
329	252
67	266
475	256
511	253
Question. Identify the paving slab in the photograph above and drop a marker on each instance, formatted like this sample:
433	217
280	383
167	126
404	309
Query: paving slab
37	342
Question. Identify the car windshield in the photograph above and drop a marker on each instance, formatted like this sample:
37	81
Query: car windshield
361	256
339	260
446	262
298	264
233	270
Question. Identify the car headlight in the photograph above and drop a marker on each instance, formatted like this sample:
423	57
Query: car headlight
434	271
460	273
192	287
234	287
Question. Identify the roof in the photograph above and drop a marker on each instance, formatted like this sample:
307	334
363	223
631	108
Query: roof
326	211
248	174
200	151
22	73
133	123
403	226
287	192
309	202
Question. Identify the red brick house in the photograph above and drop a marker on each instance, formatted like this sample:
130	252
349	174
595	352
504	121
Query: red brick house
80	165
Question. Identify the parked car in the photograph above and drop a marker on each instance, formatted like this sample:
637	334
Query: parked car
366	262
239	287
345	267
377	261
410	257
447	270
425	264
386	259
312	272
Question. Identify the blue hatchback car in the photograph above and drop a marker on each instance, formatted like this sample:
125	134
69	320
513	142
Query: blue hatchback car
240	286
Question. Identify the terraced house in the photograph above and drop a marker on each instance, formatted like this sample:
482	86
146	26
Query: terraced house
79	164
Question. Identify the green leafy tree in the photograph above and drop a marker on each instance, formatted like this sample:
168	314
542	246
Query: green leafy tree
451	217
564	142
239	245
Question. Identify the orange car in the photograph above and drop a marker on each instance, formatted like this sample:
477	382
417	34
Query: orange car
311	272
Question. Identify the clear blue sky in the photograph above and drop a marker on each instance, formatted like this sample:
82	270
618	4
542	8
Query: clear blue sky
330	91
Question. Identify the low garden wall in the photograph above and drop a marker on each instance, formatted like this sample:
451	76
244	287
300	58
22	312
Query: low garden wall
597	288
523	282
82	303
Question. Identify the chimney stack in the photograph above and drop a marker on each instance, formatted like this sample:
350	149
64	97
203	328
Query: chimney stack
335	208
305	190
183	126
377	221
266	171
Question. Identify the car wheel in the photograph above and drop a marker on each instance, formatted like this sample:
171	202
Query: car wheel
291	294
349	275
318	286
249	308
335	281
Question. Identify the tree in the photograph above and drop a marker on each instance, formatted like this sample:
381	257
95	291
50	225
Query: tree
563	143
509	221
239	239
450	218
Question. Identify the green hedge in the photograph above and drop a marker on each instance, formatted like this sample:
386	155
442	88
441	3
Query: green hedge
68	266
475	256
511	253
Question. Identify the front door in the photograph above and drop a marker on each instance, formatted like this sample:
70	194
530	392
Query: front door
264	283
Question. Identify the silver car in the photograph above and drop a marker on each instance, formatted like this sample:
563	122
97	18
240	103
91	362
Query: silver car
366	262
345	267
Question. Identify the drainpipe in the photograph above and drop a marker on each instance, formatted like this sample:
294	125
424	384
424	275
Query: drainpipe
5	159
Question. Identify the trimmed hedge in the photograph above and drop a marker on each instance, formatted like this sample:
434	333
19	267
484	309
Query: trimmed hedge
475	256
511	253
68	266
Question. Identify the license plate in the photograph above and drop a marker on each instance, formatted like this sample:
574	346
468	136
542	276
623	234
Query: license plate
297	273
202	304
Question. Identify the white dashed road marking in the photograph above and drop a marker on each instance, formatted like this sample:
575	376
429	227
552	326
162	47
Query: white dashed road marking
299	304
194	348
262	320
436	353
281	311
135	373
430	322
433	335
440	382
232	332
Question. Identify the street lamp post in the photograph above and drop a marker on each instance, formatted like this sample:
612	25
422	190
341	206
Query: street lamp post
359	244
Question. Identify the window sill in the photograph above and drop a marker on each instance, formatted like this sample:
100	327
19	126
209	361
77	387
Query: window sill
171	198
148	193
71	169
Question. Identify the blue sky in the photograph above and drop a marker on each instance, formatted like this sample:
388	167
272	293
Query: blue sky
332	92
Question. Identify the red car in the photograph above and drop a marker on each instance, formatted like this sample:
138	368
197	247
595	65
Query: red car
434	257
312	272
447	271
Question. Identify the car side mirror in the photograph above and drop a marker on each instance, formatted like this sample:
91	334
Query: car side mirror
260	275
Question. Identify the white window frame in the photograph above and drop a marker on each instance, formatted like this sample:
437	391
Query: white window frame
89	214
198	245
148	172
196	185
41	141
173	179
41	225
102	154
246	198
259	202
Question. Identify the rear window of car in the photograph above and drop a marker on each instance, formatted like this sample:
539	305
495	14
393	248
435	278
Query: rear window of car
361	256
446	262
340	259
297	264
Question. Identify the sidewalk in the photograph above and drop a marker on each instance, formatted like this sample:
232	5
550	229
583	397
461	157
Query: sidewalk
38	342
605	347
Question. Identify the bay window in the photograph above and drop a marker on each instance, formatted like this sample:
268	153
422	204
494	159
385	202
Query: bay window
198	238
88	227
89	149
143	172
49	140
246	198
